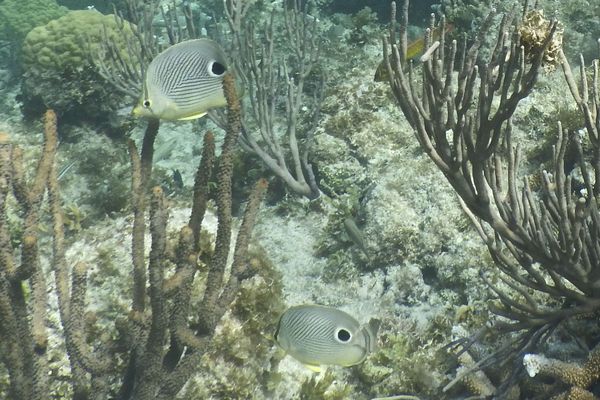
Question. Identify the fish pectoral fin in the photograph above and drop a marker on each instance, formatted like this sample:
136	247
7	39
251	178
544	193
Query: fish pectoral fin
313	368
193	116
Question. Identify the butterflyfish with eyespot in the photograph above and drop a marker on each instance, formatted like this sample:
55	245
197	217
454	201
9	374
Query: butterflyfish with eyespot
184	81
413	49
319	335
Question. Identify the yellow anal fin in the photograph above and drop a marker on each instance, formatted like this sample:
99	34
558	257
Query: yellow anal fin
313	368
193	116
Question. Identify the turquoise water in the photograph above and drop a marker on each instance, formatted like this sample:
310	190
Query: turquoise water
110	288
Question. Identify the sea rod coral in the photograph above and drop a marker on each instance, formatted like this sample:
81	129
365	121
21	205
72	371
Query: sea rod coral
544	240
265	67
160	344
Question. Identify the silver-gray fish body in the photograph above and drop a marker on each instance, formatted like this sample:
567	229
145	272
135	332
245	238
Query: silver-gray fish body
184	81
318	335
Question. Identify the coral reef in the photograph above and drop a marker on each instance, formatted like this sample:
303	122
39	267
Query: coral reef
103	6
242	362
534	32
18	17
581	26
542	238
157	346
578	377
416	262
58	68
404	364
324	387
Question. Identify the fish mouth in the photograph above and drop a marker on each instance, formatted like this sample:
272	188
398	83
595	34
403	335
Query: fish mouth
136	111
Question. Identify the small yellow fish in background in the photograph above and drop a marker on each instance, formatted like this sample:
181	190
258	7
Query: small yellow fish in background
318	335
184	82
413	49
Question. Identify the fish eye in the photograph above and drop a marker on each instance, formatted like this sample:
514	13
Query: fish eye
146	103
216	68
343	335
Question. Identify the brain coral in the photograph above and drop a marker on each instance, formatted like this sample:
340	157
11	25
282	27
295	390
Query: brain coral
58	71
17	17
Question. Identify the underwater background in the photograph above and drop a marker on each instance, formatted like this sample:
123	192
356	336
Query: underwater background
135	263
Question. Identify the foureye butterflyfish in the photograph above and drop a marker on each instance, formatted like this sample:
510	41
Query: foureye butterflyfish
318	335
184	81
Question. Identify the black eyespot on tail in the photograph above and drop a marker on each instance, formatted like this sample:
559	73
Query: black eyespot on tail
343	335
217	68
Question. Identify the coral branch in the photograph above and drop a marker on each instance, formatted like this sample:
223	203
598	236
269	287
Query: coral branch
201	186
208	318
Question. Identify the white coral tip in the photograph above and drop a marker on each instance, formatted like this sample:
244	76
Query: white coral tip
532	364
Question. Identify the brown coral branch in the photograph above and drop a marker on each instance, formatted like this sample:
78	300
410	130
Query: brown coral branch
180	284
156	265
25	338
139	227
60	269
141	170
30	198
239	268
12	351
201	187
208	318
47	159
148	149
218	294
75	328
150	376
6	177
182	373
